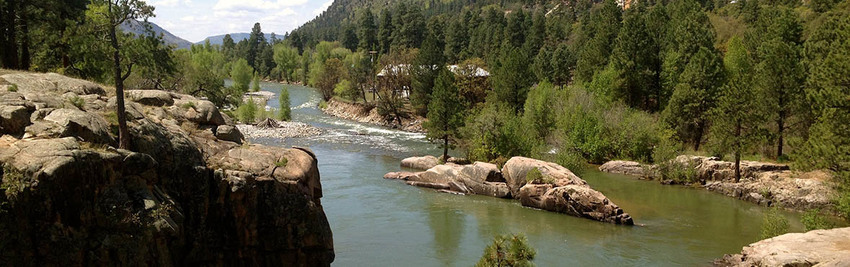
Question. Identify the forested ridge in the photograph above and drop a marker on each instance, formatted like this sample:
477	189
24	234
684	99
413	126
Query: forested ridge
572	81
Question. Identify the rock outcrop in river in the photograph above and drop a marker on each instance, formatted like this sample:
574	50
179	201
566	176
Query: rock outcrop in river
763	183
814	248
369	114
557	189
189	192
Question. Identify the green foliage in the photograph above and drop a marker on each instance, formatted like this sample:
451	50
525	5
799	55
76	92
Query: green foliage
286	58
241	75
323	104
12	88
345	89
538	106
255	86
77	102
512	78
427	65
284	112
13	182
282	163
773	224
678	172
571	160
188	105
813	220
695	95
508	251
247	112
445	111
495	131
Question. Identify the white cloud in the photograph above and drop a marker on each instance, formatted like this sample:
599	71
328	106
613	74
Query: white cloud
165	3
324	7
256	5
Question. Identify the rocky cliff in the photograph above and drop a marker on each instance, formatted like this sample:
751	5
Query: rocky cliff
189	192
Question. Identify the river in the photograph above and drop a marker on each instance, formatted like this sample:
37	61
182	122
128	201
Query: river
379	222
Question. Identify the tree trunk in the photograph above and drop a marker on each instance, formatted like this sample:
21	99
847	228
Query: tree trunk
738	152
781	131
10	43
25	40
445	148
698	137
123	132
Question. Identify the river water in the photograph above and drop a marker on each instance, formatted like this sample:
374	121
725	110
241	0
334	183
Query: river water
379	222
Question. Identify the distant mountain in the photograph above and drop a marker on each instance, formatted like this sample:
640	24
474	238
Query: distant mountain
239	36
137	27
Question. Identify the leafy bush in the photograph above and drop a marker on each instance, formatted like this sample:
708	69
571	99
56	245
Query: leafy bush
571	160
247	112
12	88
813	220
508	250
323	104
12	182
676	171
495	131
773	224
345	89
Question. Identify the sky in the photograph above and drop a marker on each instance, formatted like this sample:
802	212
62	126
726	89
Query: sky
194	20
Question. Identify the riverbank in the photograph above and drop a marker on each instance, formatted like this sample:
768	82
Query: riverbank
535	183
369	114
766	184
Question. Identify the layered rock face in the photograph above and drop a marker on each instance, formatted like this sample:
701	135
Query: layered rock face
763	183
189	192
814	248
557	190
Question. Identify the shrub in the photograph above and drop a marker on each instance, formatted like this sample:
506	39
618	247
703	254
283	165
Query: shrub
188	105
13	182
112	118
571	160
345	89
507	250
282	163
534	176
323	104
247	112
12	88
78	102
813	220
773	224
677	171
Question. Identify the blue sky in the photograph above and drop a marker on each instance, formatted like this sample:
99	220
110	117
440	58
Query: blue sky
194	20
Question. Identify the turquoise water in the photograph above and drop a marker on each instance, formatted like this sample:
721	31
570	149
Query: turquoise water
379	222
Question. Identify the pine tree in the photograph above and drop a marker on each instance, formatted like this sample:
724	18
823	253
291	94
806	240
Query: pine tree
507	251
736	118
512	78
255	42
445	111
635	57
424	72
367	31
694	96
385	31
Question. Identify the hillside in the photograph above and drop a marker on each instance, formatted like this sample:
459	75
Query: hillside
217	39
137	28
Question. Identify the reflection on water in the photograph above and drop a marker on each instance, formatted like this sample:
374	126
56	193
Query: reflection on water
387	223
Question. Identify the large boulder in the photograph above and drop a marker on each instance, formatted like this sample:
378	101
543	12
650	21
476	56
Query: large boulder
14	119
625	167
576	200
813	248
53	83
202	112
229	133
516	169
86	126
420	163
713	169
151	97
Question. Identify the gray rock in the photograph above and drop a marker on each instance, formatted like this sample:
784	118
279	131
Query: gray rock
516	169
625	167
229	133
576	200
53	82
813	248
14	119
420	163
151	97
84	125
202	112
